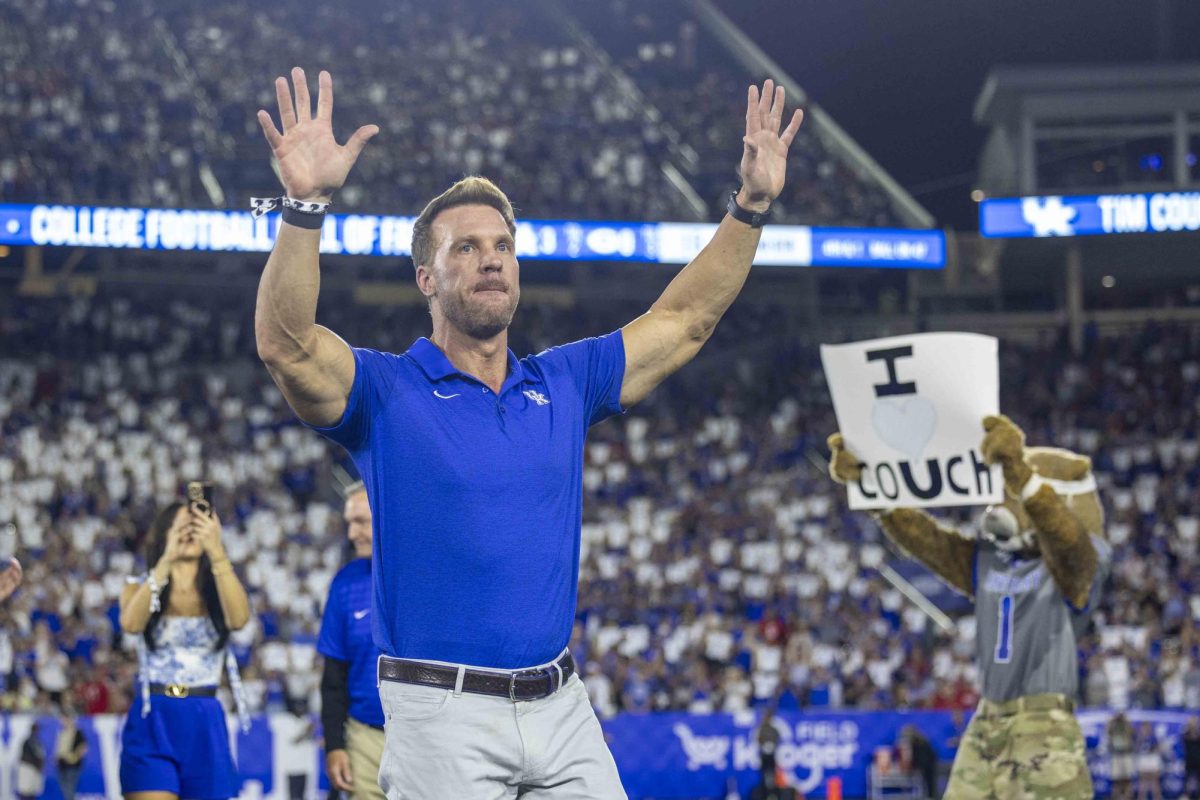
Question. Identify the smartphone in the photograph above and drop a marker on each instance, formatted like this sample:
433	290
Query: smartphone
200	496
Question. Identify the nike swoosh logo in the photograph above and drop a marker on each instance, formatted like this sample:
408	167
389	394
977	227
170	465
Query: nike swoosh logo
436	393
361	614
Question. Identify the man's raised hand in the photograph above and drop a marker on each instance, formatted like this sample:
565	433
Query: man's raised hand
764	156
312	164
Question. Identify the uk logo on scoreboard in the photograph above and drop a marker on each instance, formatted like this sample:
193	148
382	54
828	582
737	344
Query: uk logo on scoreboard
1048	216
1089	215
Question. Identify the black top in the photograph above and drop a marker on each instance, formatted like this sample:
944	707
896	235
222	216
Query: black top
1191	746
33	753
923	753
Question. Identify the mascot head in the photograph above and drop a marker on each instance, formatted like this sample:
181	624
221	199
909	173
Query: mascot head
1009	527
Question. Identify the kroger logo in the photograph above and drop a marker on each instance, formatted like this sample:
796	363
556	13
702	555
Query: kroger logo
804	753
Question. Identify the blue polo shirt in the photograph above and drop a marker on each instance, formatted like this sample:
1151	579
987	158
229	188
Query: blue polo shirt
346	636
477	499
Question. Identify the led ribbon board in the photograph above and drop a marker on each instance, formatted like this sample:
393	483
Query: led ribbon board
378	235
1091	215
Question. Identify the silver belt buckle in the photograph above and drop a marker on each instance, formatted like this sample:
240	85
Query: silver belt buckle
512	687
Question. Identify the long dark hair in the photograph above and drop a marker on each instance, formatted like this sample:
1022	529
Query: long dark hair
156	545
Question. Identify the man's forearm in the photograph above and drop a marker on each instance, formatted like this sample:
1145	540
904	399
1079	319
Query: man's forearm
705	288
285	312
335	702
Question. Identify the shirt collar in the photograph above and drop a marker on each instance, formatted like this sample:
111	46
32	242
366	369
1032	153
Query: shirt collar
436	366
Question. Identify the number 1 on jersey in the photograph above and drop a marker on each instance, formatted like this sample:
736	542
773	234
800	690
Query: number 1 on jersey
1004	636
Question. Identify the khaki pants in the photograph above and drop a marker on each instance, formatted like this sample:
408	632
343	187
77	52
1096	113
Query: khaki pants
443	746
364	745
1026	755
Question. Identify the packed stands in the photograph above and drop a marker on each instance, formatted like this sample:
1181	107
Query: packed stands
155	106
720	568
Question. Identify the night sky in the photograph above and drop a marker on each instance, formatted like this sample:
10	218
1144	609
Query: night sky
901	76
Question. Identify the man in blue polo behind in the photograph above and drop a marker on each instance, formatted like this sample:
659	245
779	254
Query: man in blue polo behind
473	459
351	715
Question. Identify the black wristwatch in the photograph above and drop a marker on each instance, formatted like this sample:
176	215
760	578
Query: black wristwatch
755	219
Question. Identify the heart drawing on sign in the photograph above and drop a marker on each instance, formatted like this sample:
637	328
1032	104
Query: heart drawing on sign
905	423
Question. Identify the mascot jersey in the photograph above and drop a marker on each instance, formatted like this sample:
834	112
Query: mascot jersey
1026	631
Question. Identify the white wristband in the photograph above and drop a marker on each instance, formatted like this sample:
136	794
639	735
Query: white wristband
262	205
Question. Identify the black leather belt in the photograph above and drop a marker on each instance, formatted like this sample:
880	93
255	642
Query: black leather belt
526	684
179	690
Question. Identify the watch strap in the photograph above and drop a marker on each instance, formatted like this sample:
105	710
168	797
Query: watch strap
755	219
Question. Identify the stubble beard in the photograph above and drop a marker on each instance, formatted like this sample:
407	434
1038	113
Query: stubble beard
479	321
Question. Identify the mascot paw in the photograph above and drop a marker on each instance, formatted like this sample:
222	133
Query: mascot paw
844	467
1004	444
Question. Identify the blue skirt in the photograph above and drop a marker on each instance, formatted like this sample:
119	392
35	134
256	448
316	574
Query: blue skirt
181	746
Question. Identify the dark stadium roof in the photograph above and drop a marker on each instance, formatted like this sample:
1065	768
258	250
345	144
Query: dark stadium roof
1088	90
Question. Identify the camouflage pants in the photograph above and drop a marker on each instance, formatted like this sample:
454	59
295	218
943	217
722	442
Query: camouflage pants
1030	755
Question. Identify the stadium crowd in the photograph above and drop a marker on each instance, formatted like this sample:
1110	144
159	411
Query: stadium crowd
719	567
698	88
155	106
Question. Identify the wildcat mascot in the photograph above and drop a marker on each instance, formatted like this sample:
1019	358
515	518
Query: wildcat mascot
1034	575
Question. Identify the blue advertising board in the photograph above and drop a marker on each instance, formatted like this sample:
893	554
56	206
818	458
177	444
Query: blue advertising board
379	235
664	756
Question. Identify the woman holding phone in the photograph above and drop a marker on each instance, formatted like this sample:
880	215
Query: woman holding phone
175	742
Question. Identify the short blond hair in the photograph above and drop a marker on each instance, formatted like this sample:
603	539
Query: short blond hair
472	190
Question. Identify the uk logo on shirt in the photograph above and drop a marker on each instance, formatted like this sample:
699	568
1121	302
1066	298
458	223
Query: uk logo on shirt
537	397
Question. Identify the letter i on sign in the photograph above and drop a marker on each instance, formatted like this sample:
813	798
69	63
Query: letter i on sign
893	386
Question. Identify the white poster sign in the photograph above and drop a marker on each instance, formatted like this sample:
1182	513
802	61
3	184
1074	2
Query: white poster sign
911	408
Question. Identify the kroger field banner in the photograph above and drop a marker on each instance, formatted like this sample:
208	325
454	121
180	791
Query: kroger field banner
677	756
690	756
661	756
